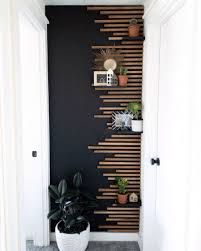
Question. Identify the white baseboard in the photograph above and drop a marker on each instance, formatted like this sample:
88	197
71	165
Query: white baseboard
103	236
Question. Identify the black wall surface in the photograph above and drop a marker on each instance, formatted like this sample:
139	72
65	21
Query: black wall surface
73	101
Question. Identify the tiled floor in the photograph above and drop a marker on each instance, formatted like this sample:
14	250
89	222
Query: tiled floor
93	246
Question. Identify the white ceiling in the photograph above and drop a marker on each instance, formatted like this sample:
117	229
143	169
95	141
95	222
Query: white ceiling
93	2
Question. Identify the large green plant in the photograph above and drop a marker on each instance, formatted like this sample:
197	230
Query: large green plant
121	183
71	205
135	108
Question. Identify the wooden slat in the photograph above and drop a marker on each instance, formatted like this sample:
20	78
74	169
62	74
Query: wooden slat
122	208
120	96
106	21
120	100
114	151
120	227
119	163
119	144
128	186
106	197
120	12
122	219
124	92
102	116
134	7
123	231
111	109
128	223
126	136
123	159
123	174
119	25
138	140
125	16
116	167
130	213
113	147
124	216
117	46
128	178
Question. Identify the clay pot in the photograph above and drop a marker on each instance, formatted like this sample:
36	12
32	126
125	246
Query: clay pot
123	79
122	198
134	30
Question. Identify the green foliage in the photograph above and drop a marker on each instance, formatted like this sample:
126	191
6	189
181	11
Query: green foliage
123	70
135	109
133	21
71	206
121	183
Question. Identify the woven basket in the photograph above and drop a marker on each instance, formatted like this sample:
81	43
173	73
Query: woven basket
72	242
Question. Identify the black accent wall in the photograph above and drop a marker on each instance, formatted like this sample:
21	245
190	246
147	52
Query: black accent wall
73	101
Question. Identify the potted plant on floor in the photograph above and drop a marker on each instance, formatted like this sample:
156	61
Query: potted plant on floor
137	123
70	212
133	28
122	193
123	78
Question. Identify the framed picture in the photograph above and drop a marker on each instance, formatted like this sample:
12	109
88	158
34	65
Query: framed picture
121	121
100	78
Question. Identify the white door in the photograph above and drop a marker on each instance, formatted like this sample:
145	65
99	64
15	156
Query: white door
34	122
173	133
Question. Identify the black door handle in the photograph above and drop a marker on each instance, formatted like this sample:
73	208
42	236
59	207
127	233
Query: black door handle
155	161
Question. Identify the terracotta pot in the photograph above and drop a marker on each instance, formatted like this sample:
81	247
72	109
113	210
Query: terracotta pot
122	198
123	79
134	30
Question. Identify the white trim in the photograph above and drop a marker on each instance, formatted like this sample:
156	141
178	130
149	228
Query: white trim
105	236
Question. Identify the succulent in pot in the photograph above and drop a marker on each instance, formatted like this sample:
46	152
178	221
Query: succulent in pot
136	109
122	192
123	78
71	209
133	28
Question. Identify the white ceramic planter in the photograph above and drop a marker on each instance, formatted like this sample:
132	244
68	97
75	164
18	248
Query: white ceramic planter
72	242
137	125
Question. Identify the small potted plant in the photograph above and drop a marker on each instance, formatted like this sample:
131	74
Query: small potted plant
123	78
122	193
70	211
133	28
135	109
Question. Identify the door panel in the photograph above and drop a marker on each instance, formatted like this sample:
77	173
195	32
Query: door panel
173	137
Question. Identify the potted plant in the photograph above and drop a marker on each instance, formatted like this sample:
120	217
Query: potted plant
133	28
70	212
135	109
123	78
122	193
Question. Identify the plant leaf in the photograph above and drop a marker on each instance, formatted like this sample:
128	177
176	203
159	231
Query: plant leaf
62	187
54	214
53	191
77	180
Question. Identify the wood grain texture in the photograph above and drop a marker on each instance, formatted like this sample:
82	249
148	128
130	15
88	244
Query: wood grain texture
123	151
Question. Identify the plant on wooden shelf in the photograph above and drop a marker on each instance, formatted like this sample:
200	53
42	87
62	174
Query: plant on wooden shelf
71	207
136	109
134	28
122	193
123	78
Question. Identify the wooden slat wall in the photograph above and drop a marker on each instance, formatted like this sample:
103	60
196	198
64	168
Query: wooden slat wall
122	151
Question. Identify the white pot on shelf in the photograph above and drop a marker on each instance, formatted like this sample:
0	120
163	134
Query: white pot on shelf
137	125
72	242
